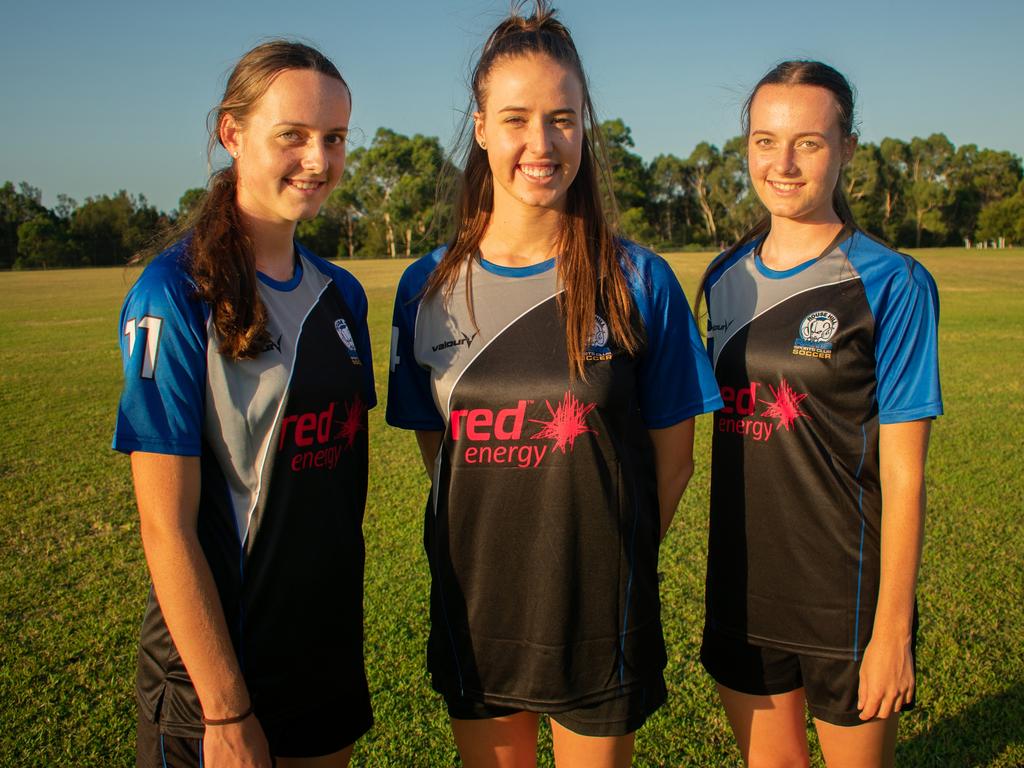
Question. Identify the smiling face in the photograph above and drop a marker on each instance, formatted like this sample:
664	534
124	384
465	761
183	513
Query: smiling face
290	147
532	128
796	151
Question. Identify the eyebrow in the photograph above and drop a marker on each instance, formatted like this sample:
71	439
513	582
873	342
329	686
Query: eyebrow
290	124
798	136
559	111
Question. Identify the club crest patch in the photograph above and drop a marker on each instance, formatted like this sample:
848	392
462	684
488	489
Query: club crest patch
815	335
346	338
597	344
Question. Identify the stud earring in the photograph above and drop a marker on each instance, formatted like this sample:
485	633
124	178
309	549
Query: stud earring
234	155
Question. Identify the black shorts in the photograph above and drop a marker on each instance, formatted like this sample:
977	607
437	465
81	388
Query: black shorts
830	685
613	717
308	737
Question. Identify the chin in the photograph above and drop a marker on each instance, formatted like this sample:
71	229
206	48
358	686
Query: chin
550	199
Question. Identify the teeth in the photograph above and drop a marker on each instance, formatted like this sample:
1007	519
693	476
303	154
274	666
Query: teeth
305	184
538	171
785	187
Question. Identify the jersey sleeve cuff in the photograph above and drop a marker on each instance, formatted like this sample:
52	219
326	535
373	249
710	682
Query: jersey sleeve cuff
130	445
423	425
929	411
682	414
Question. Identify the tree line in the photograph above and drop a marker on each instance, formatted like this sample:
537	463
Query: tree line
925	192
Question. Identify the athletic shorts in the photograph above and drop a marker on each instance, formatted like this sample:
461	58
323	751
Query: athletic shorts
614	717
830	685
308	737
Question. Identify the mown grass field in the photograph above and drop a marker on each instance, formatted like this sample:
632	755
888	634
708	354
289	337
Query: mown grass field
73	580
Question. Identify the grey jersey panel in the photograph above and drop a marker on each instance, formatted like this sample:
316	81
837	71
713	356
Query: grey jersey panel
446	342
244	398
745	293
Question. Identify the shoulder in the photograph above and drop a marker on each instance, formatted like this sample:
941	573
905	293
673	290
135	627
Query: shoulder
725	261
349	287
646	271
885	270
416	275
166	281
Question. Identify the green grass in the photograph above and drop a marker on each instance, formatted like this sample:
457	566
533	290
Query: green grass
73	580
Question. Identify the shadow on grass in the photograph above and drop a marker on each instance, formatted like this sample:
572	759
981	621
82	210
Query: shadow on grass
975	737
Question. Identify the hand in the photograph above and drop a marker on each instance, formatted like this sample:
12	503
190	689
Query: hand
886	678
239	745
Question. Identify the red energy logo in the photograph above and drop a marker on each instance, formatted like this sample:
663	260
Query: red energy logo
478	425
739	414
324	437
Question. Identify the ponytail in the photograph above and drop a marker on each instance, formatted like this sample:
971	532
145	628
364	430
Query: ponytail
223	267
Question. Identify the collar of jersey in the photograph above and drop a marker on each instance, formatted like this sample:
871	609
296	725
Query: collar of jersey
284	285
527	271
776	274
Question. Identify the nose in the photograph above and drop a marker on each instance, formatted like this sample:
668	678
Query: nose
314	158
538	141
785	160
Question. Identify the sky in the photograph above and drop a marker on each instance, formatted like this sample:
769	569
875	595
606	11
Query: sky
106	95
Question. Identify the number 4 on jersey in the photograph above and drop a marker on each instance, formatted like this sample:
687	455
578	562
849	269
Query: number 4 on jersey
152	324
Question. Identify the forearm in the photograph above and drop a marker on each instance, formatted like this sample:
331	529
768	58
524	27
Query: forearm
167	489
191	607
902	536
903	448
429	444
673	458
670	490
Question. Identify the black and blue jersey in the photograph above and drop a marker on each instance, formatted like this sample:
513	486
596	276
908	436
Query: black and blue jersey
810	362
282	445
542	530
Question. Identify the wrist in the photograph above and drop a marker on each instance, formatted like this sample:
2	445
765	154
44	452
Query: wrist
229	719
891	637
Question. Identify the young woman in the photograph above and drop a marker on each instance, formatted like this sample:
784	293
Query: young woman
247	380
552	373
824	346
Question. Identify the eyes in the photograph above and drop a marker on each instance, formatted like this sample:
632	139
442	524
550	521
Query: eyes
296	137
559	121
805	144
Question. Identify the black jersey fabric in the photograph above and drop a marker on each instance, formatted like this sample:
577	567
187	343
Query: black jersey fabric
542	532
810	362
282	444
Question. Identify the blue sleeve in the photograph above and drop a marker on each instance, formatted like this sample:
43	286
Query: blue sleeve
163	354
354	296
675	377
906	309
410	401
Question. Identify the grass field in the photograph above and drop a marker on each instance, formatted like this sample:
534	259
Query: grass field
73	581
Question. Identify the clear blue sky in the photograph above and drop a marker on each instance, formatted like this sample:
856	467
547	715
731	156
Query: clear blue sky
108	95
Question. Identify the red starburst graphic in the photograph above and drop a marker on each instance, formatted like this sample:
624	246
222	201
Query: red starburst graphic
786	407
568	421
352	423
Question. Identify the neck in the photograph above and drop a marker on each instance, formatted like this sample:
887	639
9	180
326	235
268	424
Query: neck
273	246
521	236
791	243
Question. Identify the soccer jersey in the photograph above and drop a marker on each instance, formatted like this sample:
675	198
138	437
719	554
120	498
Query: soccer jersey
810	362
283	453
542	530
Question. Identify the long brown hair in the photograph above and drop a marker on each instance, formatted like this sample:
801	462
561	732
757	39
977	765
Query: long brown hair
591	260
796	72
221	260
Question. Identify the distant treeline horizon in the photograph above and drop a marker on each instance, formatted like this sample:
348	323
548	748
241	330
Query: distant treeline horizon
925	192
